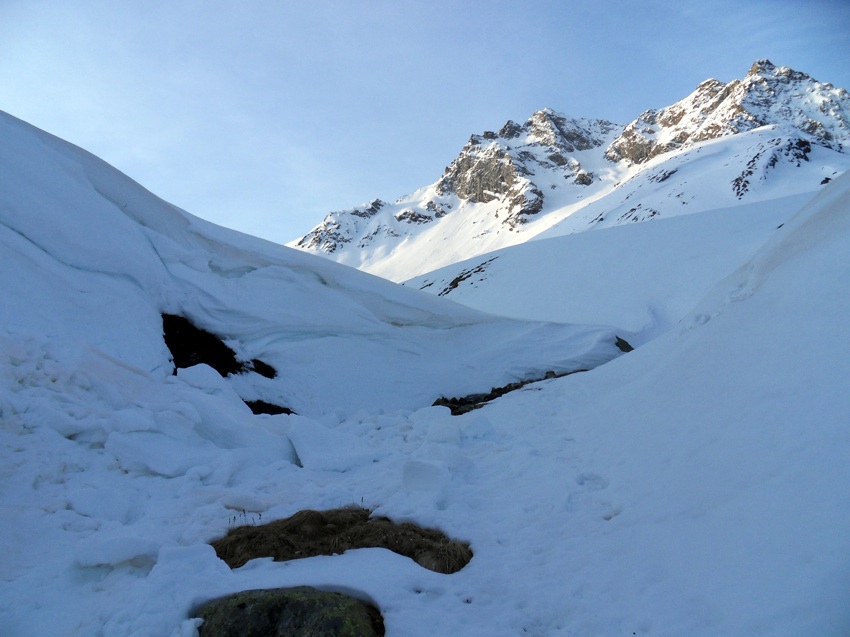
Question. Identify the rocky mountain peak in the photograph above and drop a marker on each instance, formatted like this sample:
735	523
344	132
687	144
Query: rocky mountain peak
761	66
503	165
767	95
552	171
768	71
567	134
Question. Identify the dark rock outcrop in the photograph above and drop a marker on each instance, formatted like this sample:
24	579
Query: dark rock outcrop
301	611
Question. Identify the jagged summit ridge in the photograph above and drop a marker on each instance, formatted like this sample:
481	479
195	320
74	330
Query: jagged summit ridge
502	166
767	95
508	169
559	174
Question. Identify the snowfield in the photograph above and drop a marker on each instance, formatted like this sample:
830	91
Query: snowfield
695	486
642	277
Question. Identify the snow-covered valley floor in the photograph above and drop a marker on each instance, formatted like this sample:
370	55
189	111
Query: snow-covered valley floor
698	485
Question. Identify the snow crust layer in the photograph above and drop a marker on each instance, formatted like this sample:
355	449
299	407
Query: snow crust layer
695	486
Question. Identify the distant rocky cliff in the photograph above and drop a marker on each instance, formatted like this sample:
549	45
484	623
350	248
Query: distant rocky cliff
508	186
501	166
768	95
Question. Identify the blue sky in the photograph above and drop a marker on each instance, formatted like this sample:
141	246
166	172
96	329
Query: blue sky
263	116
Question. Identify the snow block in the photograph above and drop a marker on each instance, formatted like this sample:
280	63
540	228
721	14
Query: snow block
325	449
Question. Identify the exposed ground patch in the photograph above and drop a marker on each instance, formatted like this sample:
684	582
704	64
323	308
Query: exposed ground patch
463	276
623	345
463	404
309	533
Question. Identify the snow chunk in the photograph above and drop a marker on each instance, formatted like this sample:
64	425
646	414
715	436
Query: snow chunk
421	475
98	551
326	449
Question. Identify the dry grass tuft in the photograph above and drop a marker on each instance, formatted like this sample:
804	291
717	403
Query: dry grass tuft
309	533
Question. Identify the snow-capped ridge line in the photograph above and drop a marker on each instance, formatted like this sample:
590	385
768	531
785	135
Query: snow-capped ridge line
555	173
767	95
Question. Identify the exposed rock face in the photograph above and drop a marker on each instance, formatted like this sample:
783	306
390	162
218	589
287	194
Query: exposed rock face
333	232
491	167
767	156
503	165
768	94
302	611
411	216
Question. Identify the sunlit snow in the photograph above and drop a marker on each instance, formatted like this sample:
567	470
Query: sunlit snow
695	486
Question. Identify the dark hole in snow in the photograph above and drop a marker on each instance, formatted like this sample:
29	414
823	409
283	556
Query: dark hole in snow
263	369
262	407
190	345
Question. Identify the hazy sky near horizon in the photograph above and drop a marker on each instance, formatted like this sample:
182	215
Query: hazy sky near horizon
264	116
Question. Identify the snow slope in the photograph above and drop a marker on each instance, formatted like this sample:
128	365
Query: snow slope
108	258
642	277
776	132
696	486
103	446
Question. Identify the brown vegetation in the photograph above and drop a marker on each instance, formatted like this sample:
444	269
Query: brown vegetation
309	533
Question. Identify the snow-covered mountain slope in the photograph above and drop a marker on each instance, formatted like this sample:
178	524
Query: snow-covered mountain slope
695	486
774	133
702	486
641	277
90	263
109	259
487	198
